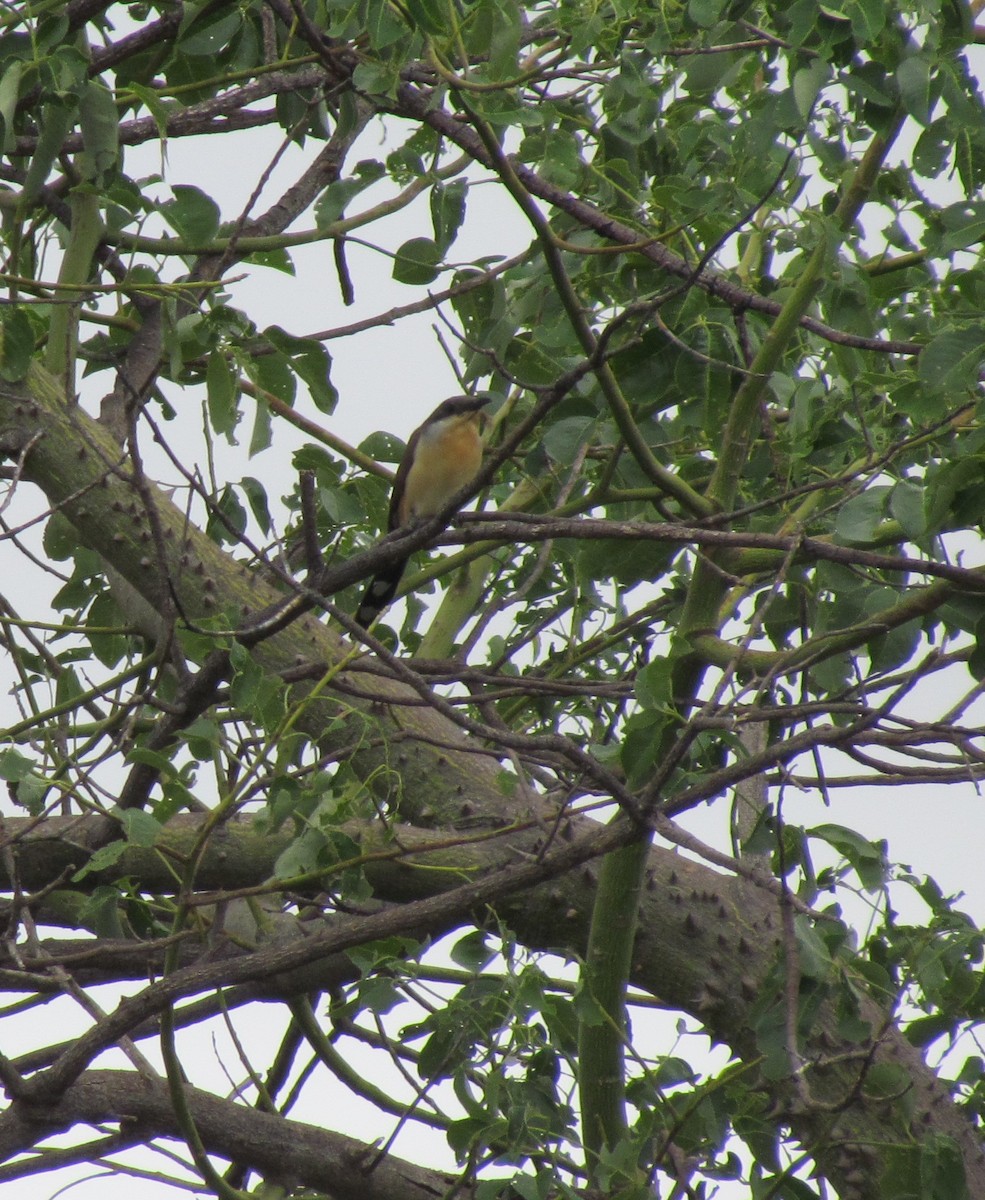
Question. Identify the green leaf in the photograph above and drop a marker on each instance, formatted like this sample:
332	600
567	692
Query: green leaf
886	1081
56	121
303	856
807	84
152	758
430	16
109	648
331	204
868	18
524	1186
101	910
868	858
68	687
139	827
654	685
447	212
705	13
472	951
334	200
416	262
952	361
643	744
14	766
564	439
494	30
906	506
16	343
99	124
31	793
60	538
256	496
812	953
942	1175
203	738
257	693
383	446
209	32
310	361
275	260
925	1030
932	150
158	108
622	560
376	78
964	223
956	493
223	393
976	660
193	214
104	858
896	646
10	82
507	783
384	26
913	77
861	516
274	373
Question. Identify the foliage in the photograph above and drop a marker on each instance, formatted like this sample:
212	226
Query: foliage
734	463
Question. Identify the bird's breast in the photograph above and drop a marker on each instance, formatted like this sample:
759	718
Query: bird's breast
446	459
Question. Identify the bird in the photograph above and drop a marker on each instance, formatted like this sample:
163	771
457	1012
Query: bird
443	456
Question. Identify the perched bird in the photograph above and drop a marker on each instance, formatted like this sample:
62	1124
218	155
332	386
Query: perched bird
442	457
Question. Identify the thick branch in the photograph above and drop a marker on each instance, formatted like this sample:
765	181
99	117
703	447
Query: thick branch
283	1151
520	527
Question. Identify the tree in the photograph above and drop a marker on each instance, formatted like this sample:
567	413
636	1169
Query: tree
734	461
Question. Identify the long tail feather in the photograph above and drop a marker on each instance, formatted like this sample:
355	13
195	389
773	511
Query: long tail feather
380	591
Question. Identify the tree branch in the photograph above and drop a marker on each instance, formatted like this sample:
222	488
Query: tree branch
284	1151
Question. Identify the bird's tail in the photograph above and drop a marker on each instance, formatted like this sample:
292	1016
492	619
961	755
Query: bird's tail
380	591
